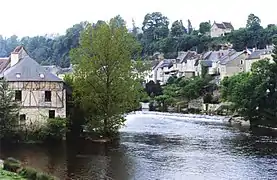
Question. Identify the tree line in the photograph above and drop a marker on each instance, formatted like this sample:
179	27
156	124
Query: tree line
155	36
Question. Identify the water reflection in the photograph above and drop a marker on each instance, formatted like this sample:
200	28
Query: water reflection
157	147
70	160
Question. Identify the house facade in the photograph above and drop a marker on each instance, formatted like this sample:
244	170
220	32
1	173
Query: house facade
220	29
210	60
188	64
41	94
257	55
232	64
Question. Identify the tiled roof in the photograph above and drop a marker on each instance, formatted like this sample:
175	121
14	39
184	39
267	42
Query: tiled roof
231	56
215	55
220	25
3	63
224	25
257	53
228	25
166	63
28	69
17	49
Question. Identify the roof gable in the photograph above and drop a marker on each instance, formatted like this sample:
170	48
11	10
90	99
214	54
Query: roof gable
29	70
228	25
224	25
220	25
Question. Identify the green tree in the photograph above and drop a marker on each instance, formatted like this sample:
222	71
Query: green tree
253	21
8	111
178	29
118	21
204	27
254	94
194	88
103	78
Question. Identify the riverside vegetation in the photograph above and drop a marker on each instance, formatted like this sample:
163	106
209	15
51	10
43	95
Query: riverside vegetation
15	170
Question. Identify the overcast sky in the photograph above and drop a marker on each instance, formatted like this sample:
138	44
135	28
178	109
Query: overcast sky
38	17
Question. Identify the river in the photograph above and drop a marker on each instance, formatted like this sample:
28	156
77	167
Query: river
160	146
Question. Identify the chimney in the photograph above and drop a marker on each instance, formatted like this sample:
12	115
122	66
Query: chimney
14	58
253	50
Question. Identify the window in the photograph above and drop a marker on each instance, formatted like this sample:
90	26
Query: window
51	114
22	117
241	61
17	75
47	96
18	95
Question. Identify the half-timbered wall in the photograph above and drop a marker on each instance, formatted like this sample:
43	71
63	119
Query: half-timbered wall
34	103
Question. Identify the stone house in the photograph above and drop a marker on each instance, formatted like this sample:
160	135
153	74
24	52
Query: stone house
257	55
161	71
231	64
187	64
220	29
211	60
41	94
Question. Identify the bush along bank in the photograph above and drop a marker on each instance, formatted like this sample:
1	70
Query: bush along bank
53	130
14	169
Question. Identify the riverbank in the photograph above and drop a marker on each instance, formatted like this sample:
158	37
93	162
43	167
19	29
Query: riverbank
13	169
7	175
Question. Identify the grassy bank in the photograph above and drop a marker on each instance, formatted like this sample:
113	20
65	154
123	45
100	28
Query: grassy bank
7	175
14	169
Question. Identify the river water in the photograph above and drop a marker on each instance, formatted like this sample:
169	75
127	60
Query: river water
160	146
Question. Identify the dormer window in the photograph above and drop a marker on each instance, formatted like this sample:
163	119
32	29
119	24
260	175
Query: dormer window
41	76
17	75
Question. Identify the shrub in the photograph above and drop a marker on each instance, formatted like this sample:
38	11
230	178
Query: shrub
208	98
12	165
55	129
44	176
29	173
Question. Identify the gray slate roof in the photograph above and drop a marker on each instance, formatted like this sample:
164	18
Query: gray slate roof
207	63
257	53
230	57
166	63
29	70
224	25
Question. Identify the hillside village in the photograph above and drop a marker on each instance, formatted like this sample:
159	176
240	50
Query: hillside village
41	91
42	94
221	63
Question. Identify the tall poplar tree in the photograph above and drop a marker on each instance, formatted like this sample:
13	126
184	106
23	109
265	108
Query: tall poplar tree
104	82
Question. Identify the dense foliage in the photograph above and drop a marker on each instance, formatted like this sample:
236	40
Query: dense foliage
155	36
104	84
8	111
14	169
254	94
178	90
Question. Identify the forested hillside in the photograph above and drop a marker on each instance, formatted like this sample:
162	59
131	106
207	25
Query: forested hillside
154	35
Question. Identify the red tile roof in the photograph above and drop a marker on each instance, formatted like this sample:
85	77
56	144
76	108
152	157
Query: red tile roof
3	63
17	49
